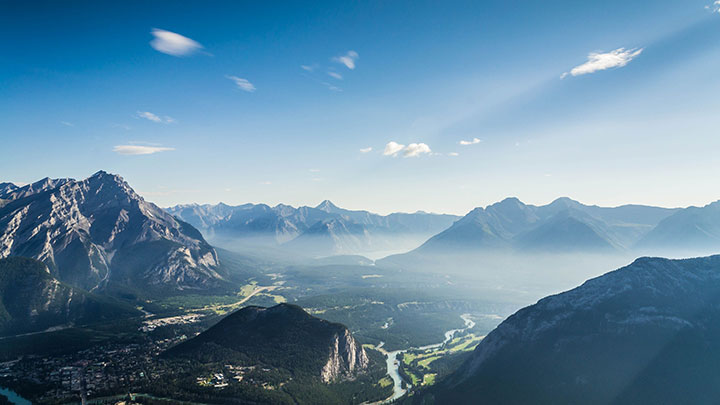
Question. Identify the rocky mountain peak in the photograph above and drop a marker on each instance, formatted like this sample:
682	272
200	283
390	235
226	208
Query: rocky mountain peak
98	230
327	206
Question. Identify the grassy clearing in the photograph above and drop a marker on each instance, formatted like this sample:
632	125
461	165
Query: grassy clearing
426	361
468	344
385	382
429	379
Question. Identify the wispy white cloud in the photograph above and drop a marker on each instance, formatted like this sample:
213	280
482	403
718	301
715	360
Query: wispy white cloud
470	142
308	68
139	149
330	86
314	170
366	150
453	154
335	75
173	44
348	59
714	7
67	124
602	61
242	84
265	183
393	148
155	118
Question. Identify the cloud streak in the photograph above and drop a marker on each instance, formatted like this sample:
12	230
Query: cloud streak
473	141
174	44
366	150
155	118
139	149
602	61
348	59
242	84
394	149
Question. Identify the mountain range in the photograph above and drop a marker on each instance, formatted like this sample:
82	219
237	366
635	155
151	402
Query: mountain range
561	226
323	230
97	233
646	333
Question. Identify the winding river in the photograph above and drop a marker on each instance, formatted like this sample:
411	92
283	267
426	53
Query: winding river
393	365
13	397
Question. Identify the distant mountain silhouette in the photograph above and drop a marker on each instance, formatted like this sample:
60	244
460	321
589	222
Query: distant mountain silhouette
316	231
561	226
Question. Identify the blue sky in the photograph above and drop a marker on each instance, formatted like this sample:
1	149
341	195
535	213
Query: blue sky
279	101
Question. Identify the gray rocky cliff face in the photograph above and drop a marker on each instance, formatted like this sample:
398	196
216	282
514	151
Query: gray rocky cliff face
346	358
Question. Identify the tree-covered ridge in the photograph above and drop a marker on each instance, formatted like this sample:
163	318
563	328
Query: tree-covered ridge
31	300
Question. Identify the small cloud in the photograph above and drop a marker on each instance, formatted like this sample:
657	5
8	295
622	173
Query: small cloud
474	141
413	150
366	150
139	149
714	7
348	59
392	148
453	154
602	61
228	190
265	183
173	44
67	124
155	118
416	149
335	75
242	84
308	68
314	170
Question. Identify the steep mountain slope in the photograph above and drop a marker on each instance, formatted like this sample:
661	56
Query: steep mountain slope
646	333
32	300
283	336
694	229
98	232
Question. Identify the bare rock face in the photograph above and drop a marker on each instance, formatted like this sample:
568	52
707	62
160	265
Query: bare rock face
346	358
98	231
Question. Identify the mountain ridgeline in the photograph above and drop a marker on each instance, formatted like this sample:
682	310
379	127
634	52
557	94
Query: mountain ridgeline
646	333
561	226
97	234
320	231
284	337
